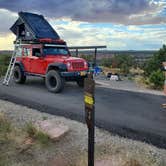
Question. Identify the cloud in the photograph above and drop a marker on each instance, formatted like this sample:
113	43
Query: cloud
115	37
6	42
7	19
80	22
128	12
74	34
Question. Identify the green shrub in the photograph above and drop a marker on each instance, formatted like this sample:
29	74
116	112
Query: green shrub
3	70
153	69
106	62
37	135
88	58
125	69
123	62
30	129
156	61
5	59
42	138
119	60
4	62
157	79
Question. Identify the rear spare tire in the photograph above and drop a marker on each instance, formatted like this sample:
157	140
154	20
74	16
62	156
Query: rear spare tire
54	82
18	75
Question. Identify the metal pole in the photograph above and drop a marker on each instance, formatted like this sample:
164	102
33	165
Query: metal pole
90	116
91	139
76	52
95	57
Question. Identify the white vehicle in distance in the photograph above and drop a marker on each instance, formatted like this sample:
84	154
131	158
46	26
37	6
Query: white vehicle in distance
113	77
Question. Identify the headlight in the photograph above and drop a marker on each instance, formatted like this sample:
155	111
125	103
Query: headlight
85	64
68	65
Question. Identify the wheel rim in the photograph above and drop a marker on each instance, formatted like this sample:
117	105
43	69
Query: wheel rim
16	75
52	81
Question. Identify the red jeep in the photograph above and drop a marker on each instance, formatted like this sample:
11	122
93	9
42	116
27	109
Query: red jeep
51	60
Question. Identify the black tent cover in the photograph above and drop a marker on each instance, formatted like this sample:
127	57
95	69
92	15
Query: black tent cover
31	26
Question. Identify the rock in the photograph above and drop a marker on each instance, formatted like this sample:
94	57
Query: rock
53	130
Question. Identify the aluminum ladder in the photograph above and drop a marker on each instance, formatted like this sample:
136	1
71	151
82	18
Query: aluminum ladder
10	67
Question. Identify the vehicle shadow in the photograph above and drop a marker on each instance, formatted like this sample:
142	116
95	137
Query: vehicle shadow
36	83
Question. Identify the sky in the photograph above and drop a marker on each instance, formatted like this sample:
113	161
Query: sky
119	24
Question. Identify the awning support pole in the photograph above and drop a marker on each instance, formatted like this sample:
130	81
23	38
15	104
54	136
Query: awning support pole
95	57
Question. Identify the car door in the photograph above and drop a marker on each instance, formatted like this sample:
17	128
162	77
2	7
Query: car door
37	62
26	53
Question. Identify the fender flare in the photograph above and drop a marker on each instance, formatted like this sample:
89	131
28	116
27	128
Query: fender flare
59	66
20	64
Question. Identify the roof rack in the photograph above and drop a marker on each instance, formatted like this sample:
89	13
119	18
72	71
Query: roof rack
40	41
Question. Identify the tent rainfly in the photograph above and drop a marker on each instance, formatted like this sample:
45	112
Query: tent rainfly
32	26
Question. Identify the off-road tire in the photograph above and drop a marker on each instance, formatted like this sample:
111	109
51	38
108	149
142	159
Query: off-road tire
54	82
18	75
80	82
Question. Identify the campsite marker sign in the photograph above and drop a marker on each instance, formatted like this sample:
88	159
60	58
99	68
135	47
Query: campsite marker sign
89	101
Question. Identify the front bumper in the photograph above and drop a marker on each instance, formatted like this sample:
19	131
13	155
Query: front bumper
74	74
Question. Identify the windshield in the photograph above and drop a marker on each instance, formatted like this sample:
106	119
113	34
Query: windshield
55	51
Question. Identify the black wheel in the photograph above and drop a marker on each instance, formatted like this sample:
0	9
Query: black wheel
54	82
80	82
18	75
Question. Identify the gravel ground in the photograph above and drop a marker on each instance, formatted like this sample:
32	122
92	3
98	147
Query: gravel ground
75	142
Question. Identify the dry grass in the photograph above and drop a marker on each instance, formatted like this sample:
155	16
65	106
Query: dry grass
22	148
121	157
111	160
132	162
136	71
142	82
16	147
5	128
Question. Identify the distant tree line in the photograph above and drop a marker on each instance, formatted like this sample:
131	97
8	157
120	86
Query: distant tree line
123	62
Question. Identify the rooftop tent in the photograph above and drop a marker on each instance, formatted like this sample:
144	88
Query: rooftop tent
31	26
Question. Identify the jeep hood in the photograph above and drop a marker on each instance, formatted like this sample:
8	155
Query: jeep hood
63	59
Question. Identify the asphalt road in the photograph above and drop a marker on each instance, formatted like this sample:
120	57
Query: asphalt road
134	115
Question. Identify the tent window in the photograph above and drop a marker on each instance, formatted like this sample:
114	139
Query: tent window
21	30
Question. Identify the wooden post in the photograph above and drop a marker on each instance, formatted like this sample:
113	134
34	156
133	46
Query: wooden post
90	116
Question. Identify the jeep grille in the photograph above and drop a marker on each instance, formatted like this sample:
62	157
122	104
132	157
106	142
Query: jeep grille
77	65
